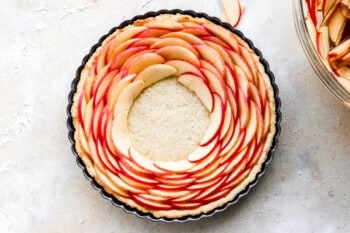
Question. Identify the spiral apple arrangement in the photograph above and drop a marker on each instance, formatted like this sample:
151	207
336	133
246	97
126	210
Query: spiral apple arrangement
209	60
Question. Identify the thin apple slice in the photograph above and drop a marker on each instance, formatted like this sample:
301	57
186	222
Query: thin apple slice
169	193
116	88
109	184
174	166
150	203
178	53
144	162
128	95
322	42
164	24
336	26
216	120
172	41
339	51
184	67
345	10
152	33
143	61
329	8
120	59
201	152
117	47
212	56
155	73
345	83
226	36
197	85
311	29
233	10
184	36
120	133
344	72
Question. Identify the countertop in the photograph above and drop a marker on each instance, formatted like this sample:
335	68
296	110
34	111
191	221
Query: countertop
306	187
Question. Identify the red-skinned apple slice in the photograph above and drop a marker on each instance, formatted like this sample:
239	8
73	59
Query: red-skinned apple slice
336	26
233	10
164	24
144	61
155	73
109	184
196	31
116	48
214	188
150	203
88	117
144	162
226	36
116	89
128	95
103	85
202	151
186	206
216	120
184	36
169	193
174	166
97	79
152	33
133	174
171	41
184	67
197	85
82	139
212	56
178	53
120	132
120	59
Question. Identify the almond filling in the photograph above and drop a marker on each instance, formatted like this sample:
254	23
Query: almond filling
177	131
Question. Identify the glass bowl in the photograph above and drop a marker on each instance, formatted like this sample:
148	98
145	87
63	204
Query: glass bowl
300	11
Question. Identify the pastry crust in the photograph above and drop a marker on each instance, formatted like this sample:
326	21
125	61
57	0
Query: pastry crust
251	111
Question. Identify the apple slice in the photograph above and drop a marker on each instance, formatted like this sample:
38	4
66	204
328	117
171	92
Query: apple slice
202	151
224	35
143	61
120	133
322	42
336	26
150	203
344	72
128	95
155	73
164	24
174	166
120	59
144	162
116	88
212	56
116	48
345	10
215	122
183	36
339	51
197	85
171	41
233	10
311	29
152	33
178	53
184	67
110	184
345	83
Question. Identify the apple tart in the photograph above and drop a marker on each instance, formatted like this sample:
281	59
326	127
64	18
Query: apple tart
173	115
